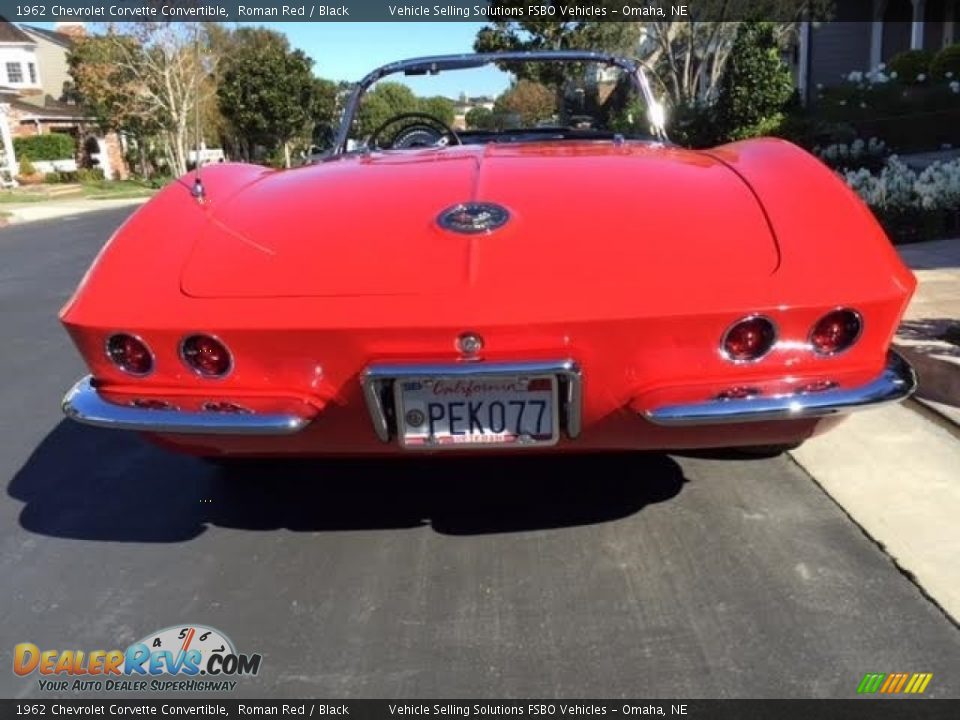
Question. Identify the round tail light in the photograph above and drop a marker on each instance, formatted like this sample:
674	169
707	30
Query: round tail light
749	339
835	332
130	354
206	356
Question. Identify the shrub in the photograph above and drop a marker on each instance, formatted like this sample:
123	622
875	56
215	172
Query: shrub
912	206
911	66
158	181
756	84
869	155
946	63
480	118
28	173
60	176
89	175
52	146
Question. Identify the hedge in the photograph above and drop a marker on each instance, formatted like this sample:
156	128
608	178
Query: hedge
52	146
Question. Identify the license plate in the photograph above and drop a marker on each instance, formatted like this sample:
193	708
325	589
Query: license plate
477	411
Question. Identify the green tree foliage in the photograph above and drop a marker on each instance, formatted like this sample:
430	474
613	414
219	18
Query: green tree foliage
326	101
555	34
439	107
267	91
480	118
559	33
526	103
107	87
756	84
382	102
146	79
388	99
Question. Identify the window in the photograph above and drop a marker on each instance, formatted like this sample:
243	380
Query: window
32	69
14	72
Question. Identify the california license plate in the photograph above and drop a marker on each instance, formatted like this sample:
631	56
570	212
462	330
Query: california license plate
477	411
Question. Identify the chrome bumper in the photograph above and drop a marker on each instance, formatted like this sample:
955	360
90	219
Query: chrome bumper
896	382
84	404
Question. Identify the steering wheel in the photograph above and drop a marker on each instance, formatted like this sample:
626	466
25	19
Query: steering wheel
426	132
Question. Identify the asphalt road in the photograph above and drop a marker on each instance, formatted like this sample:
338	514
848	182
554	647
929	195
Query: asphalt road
639	575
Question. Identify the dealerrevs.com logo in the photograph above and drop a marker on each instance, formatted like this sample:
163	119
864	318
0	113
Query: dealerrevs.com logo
179	658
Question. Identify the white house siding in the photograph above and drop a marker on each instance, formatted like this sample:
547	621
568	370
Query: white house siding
22	54
52	58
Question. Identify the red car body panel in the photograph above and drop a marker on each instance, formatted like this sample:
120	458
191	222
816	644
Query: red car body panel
629	259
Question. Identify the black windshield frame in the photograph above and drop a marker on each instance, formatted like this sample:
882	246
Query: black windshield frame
439	63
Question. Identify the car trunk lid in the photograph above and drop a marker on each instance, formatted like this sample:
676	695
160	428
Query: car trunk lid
631	214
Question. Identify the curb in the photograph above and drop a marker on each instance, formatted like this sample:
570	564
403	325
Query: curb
938	386
35	212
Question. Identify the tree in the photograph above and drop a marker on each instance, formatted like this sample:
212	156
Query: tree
382	102
755	86
480	118
687	57
618	37
439	107
326	101
167	64
144	79
267	91
526	101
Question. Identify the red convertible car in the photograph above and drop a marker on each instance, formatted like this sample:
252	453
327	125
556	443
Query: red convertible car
546	272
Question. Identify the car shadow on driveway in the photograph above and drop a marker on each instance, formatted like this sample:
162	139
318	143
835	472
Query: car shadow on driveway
92	484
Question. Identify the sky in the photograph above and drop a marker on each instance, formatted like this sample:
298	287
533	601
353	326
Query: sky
348	51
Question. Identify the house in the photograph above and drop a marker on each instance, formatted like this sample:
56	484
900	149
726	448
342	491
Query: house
464	104
33	71
51	51
864	33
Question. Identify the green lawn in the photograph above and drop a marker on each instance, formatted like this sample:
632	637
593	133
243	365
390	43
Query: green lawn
117	189
101	190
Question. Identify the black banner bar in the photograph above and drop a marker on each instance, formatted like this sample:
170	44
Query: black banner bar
861	709
442	10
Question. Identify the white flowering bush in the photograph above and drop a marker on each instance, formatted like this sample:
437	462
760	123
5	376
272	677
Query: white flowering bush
859	153
938	186
894	187
866	80
911	205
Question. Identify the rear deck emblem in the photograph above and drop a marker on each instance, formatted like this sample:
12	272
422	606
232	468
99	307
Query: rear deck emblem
473	217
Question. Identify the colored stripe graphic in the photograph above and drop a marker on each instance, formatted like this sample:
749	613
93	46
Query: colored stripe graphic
918	683
894	683
889	683
871	682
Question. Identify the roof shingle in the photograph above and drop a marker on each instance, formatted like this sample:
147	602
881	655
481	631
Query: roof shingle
10	33
52	35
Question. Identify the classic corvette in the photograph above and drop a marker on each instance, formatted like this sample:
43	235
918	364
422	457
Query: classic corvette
548	273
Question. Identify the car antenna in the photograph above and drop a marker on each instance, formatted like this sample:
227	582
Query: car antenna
199	192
